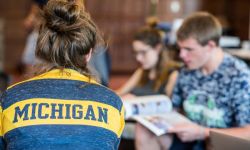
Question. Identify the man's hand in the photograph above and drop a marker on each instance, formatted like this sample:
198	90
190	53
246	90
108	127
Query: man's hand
189	132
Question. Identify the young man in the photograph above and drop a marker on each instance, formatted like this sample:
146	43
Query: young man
213	89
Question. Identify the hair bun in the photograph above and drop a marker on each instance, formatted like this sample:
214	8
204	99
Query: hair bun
61	14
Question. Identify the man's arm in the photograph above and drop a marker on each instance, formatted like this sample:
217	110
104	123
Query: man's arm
191	131
243	132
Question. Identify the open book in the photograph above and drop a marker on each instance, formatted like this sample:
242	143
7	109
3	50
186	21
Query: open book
154	112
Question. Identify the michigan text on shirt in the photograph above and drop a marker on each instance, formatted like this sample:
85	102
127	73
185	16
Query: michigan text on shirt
41	111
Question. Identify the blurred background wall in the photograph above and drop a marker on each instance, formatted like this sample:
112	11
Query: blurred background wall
13	35
118	19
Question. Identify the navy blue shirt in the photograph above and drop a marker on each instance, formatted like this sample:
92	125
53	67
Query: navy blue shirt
61	110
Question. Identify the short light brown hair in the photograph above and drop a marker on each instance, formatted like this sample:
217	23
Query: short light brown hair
201	26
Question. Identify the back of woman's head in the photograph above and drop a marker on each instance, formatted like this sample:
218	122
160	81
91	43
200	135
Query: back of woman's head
66	36
149	36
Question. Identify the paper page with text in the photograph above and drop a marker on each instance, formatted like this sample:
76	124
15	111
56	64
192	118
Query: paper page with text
160	124
154	112
147	105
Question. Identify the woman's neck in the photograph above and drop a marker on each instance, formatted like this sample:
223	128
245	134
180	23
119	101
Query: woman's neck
152	74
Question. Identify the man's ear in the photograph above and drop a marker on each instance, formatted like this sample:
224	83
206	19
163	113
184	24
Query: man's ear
88	56
211	44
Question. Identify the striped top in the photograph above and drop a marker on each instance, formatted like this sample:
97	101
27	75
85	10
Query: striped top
61	109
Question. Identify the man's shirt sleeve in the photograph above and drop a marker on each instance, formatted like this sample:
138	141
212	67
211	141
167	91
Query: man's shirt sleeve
241	101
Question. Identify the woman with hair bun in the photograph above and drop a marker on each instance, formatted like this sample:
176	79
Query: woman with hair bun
62	107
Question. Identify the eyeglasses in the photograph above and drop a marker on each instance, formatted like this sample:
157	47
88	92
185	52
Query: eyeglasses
142	53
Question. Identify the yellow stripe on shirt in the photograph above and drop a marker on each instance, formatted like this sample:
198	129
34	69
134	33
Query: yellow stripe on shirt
40	111
1	127
68	74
